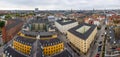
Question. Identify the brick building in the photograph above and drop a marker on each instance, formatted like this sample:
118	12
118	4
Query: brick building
12	27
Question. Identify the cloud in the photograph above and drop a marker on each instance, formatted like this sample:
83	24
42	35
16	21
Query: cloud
59	4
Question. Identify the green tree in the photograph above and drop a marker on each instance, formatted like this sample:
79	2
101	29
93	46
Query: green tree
2	23
8	17
17	14
117	33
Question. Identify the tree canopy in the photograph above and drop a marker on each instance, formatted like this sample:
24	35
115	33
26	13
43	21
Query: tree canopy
117	33
2	23
8	17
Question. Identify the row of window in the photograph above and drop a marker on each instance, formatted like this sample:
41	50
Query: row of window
23	50
54	47
16	46
21	45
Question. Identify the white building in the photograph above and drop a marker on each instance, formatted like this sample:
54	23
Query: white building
64	25
26	29
81	36
51	18
51	29
96	23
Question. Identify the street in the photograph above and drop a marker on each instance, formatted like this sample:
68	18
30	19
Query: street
100	38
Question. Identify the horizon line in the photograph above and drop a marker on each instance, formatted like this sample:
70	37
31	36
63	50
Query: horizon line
64	9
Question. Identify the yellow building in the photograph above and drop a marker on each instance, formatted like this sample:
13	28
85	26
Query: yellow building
23	45
51	44
81	36
36	42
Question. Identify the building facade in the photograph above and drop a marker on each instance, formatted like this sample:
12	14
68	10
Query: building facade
82	36
36	43
23	45
51	44
64	25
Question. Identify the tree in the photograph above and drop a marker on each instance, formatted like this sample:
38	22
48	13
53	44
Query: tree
2	23
18	15
117	33
8	17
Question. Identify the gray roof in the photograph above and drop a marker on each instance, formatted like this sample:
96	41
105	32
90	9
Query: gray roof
64	53
39	50
30	33
85	35
13	52
50	42
15	23
38	21
26	41
34	34
64	23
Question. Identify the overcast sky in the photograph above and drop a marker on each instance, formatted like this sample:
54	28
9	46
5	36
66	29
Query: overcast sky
58	4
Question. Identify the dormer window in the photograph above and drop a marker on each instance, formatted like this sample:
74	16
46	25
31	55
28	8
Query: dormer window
7	53
10	55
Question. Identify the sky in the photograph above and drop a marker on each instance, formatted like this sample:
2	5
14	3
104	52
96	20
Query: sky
58	4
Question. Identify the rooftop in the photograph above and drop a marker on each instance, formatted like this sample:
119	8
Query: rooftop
30	33
26	41
50	42
66	21
15	23
47	42
65	53
83	30
38	20
11	52
37	50
34	34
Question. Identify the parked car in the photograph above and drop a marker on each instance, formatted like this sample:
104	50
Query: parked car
100	42
102	35
99	48
97	55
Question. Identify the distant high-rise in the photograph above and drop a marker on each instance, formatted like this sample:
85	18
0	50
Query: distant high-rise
36	9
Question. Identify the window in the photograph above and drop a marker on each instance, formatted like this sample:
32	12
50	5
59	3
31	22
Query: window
51	48
10	55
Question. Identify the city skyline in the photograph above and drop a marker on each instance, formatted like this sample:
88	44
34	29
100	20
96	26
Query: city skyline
58	5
